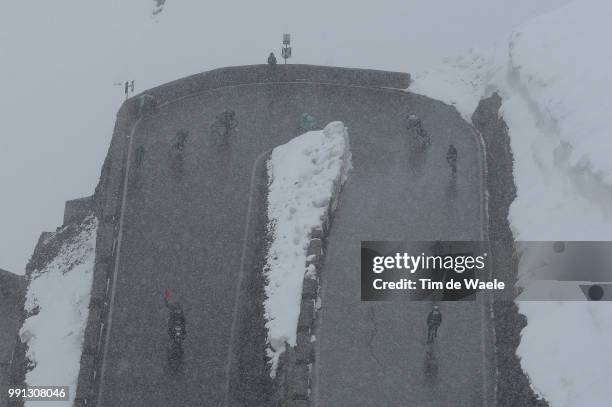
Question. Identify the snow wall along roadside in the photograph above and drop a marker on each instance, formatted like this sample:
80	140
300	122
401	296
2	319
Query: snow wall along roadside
306	177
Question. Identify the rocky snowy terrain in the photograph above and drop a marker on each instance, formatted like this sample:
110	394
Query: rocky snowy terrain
553	75
57	302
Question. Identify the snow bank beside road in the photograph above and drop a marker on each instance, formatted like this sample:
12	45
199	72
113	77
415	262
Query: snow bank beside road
553	75
554	78
460	81
304	175
58	296
565	349
557	107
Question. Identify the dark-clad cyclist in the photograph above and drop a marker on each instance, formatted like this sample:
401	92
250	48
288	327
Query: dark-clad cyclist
451	158
434	320
176	318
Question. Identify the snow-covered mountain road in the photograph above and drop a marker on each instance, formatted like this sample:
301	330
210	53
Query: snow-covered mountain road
184	228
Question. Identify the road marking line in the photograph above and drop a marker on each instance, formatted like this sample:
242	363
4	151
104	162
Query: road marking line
119	240
199	92
487	298
236	309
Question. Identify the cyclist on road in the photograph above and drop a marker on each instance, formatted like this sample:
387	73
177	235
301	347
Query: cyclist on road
180	139
416	131
309	123
451	158
140	151
434	320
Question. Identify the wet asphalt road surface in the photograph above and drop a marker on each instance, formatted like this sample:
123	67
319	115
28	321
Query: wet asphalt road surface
184	225
375	353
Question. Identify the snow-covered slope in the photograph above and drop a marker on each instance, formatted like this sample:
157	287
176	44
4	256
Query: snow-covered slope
58	299
554	75
303	174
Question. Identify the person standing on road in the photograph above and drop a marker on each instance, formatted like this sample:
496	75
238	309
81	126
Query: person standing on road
272	59
434	320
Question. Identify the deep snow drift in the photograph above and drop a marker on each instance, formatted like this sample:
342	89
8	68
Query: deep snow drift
554	78
60	292
303	174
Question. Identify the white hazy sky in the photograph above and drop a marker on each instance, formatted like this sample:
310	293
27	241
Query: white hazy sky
59	60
